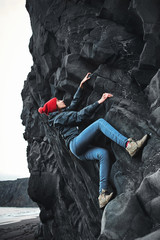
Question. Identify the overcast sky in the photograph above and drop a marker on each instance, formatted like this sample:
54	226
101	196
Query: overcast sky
15	64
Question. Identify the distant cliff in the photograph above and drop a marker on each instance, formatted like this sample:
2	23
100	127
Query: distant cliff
119	42
14	194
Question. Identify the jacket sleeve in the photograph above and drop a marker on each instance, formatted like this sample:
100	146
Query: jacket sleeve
87	112
76	99
73	118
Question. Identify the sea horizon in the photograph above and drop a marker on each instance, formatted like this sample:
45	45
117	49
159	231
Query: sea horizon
10	215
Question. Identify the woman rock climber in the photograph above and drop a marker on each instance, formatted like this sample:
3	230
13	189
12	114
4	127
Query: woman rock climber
67	120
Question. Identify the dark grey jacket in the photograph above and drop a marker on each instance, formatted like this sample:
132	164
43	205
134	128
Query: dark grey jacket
68	120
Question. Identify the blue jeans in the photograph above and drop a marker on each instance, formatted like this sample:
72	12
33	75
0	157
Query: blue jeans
81	147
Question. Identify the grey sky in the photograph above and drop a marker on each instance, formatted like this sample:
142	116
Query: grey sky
15	63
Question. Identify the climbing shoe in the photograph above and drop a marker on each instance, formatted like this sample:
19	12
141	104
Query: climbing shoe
104	198
133	146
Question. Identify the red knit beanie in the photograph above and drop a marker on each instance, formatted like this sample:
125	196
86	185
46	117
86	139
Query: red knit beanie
49	106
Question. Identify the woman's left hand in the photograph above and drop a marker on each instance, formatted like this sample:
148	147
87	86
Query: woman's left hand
104	97
84	80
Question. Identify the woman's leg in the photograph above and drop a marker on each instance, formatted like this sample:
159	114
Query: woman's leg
84	139
101	154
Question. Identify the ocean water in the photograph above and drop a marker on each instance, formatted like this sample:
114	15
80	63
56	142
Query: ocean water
12	214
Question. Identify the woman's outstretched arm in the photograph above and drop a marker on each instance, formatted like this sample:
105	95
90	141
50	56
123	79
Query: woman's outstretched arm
72	117
86	112
78	95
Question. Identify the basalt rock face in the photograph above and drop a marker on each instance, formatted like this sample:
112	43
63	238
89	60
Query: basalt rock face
118	41
14	194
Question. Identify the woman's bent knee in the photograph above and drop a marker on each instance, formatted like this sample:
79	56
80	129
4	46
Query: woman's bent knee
103	154
100	120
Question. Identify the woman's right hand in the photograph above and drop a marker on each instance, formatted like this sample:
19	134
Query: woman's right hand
85	79
104	97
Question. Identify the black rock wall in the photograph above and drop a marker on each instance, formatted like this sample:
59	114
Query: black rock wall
14	194
119	42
